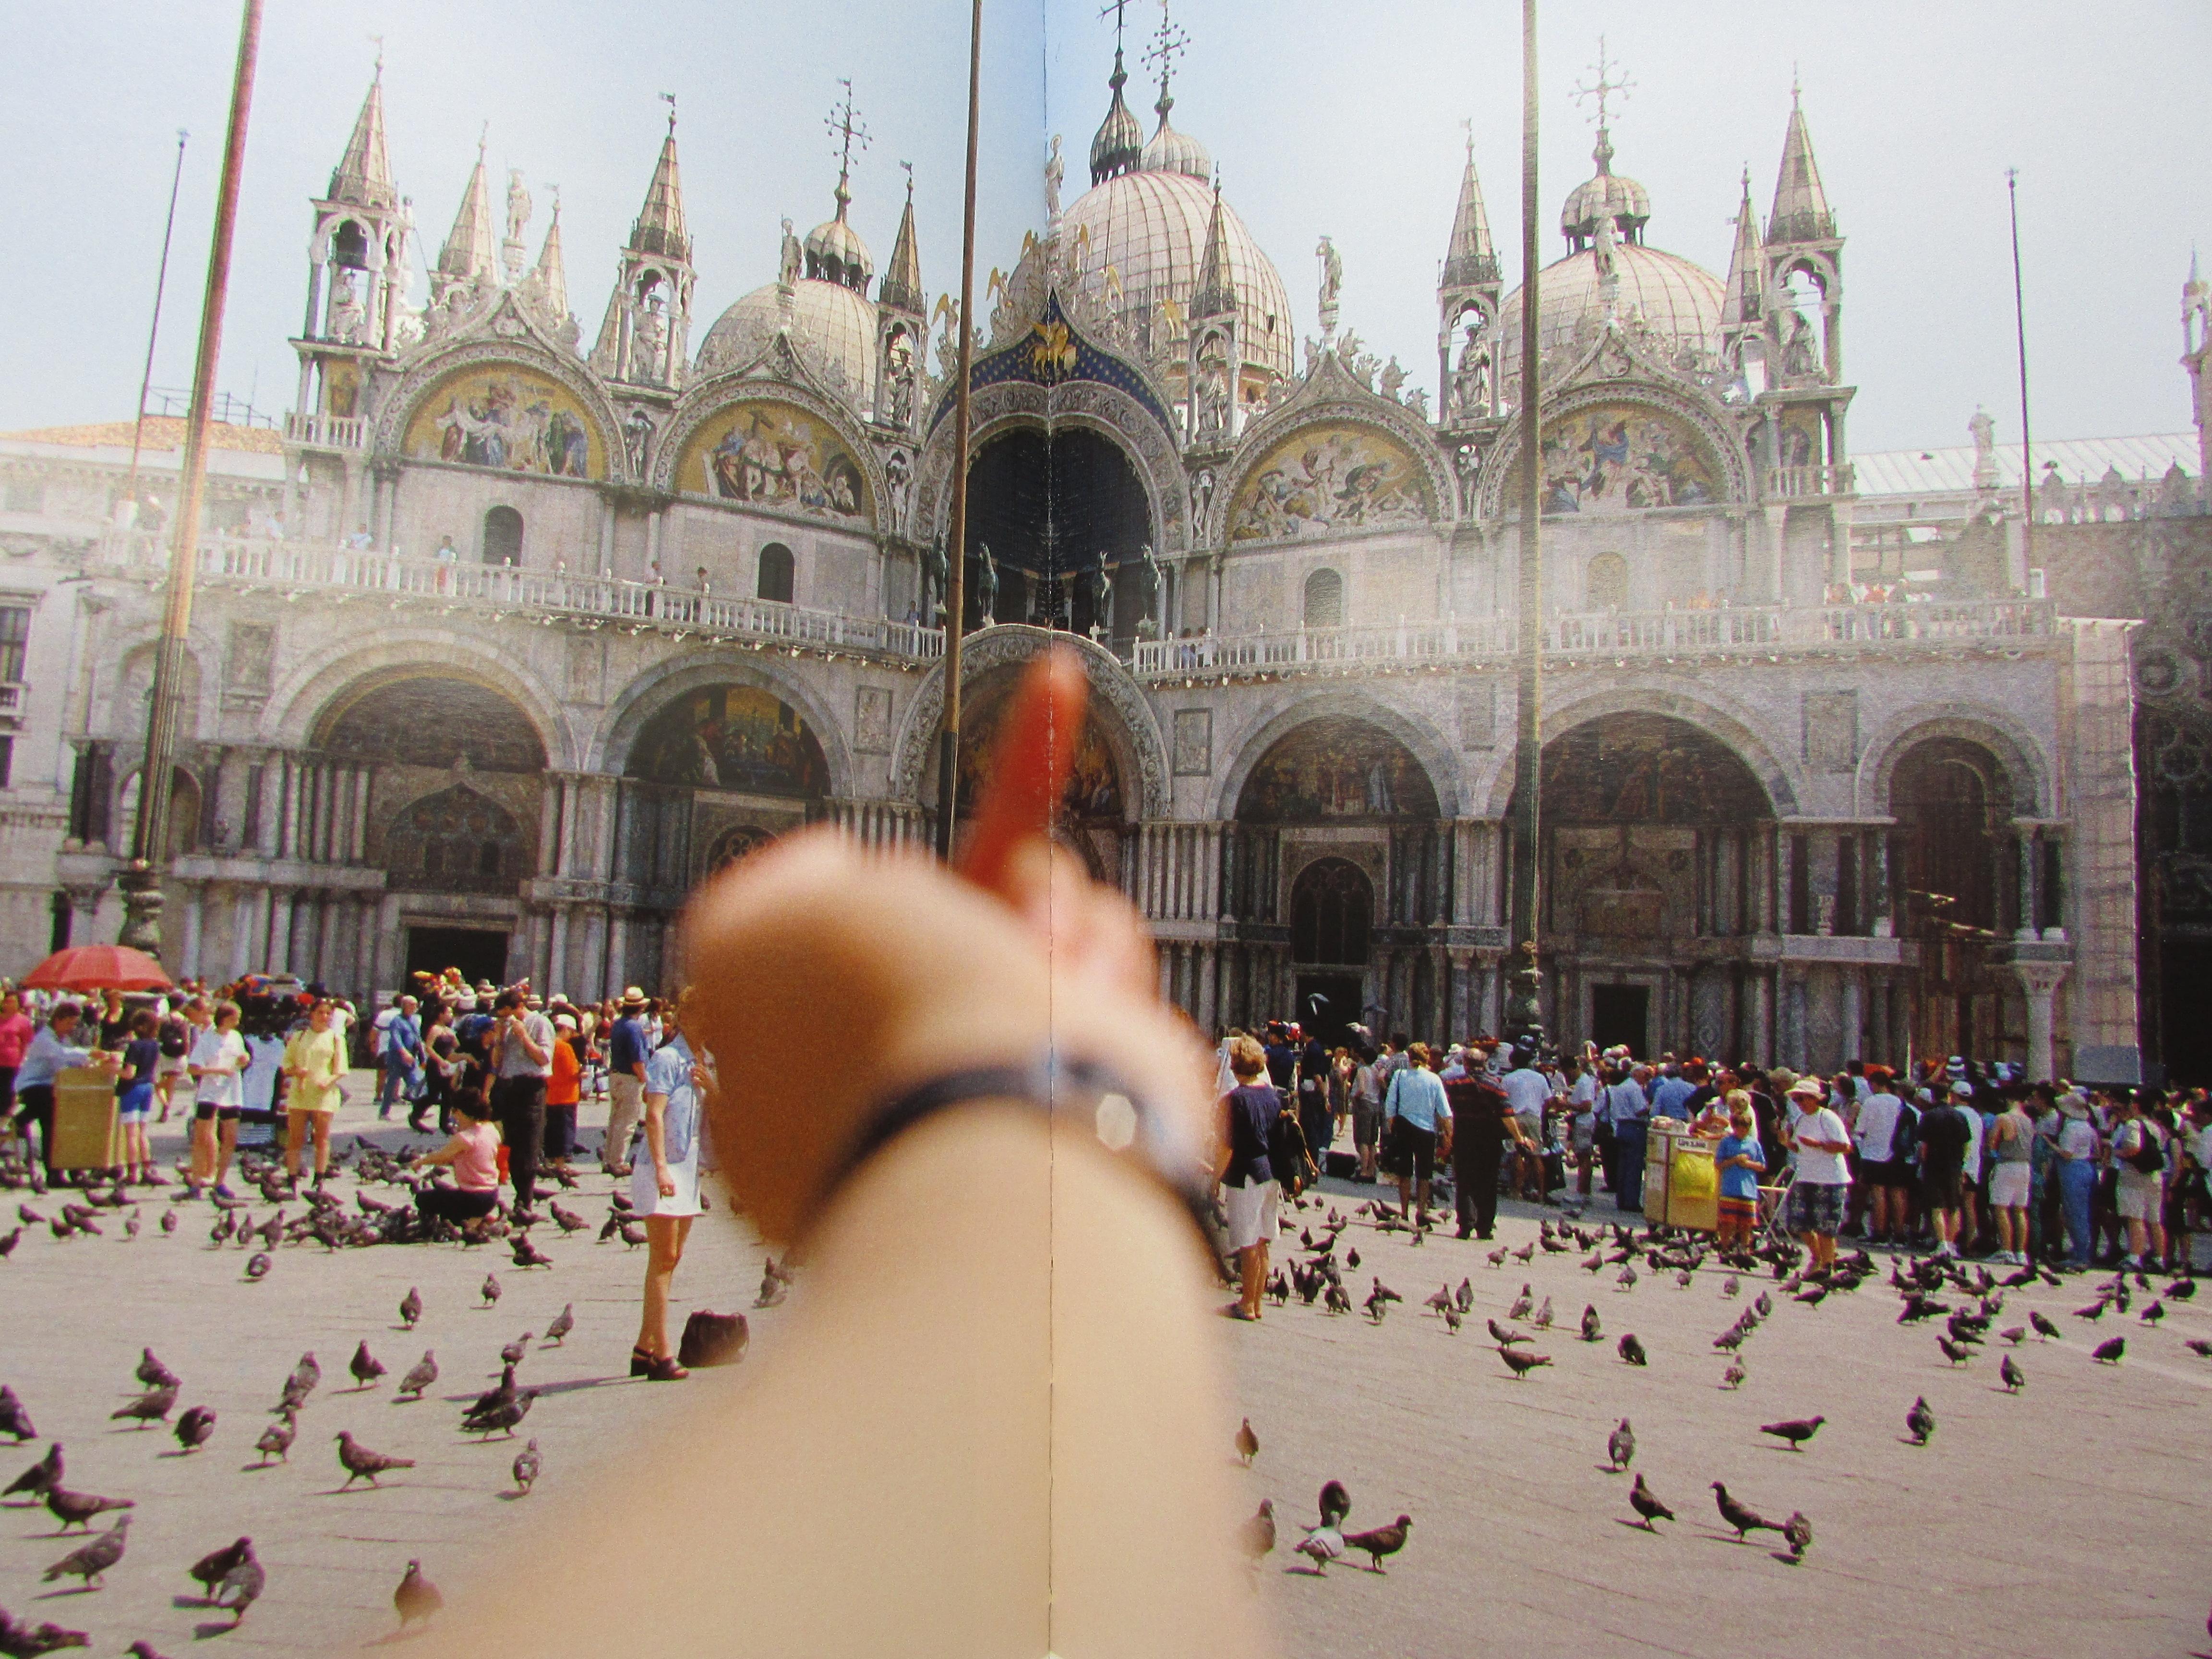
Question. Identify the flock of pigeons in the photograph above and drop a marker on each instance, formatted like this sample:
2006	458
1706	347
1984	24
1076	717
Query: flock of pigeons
1968	1298
233	1578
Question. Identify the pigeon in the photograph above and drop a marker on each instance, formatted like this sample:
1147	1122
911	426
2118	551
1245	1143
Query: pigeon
1592	1329
1627	1277
1257	1537
490	1289
139	1649
77	1509
1921	1421
225	1227
632	1234
1382	1541
41	1478
1440	1299
276	1439
95	1557
528	1255
1521	1304
1521	1364
563	1322
566	1220
212	1570
13	1420
506	1414
258	1265
417	1596
153	1373
503	1392
410	1308
1632	1351
152	1407
45	1637
1453	1320
240	1588
1351	1258
1335	1503
1954	1352
1541	1318
365	1366
2014	1378
1732	1286
2153	1313
8	1245
2198	1346
194	1427
1465	1295
1745	1521
1799	1531
421	1376
2108	1353
1504	1338
1646	1504
361	1463
2093	1312
2015	1334
1321	1546
308	1372
1733	1375
1620	1446
1248	1443
2044	1326
526	1465
1796	1431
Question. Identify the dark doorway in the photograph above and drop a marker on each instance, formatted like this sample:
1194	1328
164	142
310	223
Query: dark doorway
1332	909
1328	1003
1621	1014
2184	970
1049	506
479	952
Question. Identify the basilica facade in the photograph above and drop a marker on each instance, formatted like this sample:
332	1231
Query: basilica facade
511	633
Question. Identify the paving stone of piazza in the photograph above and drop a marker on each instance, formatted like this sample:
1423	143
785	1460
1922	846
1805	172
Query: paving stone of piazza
2071	1519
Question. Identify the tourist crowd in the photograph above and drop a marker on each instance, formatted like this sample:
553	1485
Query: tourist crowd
1958	1158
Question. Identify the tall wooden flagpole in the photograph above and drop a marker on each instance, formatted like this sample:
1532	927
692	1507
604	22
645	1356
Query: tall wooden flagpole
1528	749
956	586
149	845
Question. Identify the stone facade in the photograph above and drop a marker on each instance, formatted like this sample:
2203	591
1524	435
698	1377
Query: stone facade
499	647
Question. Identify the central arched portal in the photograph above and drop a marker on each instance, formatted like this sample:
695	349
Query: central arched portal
1050	505
1339	873
1656	837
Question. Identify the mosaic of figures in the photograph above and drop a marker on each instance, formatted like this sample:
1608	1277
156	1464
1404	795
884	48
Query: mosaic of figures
1336	767
1322	481
1647	768
1094	782
733	737
775	455
509	418
1621	458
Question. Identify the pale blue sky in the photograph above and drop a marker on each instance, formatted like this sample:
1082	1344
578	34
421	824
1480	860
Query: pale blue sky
1324	117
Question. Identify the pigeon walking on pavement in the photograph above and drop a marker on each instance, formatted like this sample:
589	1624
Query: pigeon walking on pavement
1646	1502
89	1562
417	1596
361	1463
1796	1431
1620	1446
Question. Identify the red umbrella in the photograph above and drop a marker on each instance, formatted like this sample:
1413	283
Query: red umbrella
97	968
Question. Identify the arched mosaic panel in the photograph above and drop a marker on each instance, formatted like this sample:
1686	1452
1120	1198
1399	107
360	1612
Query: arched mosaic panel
500	416
778	455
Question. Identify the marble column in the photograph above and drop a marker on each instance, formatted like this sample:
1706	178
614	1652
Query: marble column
2040	982
188	953
1854	1020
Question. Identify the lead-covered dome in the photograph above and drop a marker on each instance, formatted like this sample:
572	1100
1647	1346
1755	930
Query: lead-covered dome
1678	302
831	323
1148	229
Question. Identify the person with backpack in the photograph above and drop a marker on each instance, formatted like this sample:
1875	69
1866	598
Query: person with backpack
1943	1137
1244	1170
2139	1160
1418	1119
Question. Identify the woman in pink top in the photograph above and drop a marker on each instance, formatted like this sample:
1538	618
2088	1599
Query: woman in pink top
473	1153
15	1030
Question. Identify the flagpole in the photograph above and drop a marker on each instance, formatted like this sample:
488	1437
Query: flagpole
1527	752
154	332
149	847
956	586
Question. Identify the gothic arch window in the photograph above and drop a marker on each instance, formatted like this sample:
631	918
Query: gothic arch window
185	810
738	841
1605	583
456	840
776	571
502	536
1324	599
1332	910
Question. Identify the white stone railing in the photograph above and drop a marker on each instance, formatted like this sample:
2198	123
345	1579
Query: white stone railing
252	563
327	431
1796	483
1675	634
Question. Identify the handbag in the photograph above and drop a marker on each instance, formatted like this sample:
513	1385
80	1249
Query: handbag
713	1338
1288	1154
2149	1157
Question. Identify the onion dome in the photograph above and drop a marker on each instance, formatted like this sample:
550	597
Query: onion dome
1118	146
1607	195
1678	304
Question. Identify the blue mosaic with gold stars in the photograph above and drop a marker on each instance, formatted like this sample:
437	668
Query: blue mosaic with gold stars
1052	353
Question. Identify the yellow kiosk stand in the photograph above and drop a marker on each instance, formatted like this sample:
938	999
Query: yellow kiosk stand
87	1133
1681	1187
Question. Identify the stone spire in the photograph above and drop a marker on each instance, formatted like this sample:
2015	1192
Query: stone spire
901	283
550	277
467	255
1471	259
1216	286
1800	207
363	177
1746	302
659	228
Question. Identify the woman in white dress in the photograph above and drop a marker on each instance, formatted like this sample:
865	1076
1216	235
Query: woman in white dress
665	1185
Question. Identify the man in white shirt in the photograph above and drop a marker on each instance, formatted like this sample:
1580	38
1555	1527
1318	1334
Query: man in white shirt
1816	1197
1527	1091
1886	1197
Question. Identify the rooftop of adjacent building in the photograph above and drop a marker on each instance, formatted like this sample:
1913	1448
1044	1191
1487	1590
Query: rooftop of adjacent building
1920	472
